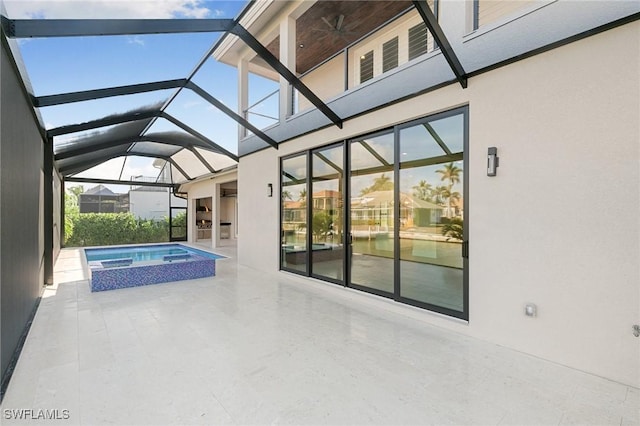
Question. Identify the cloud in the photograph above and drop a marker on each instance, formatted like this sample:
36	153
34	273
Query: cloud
135	40
108	9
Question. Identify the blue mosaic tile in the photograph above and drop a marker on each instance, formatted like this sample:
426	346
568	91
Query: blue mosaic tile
134	276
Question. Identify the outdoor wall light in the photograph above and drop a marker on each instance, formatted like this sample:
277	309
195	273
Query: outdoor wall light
269	190
492	161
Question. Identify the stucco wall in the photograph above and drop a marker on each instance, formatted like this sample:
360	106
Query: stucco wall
21	209
559	224
203	189
149	204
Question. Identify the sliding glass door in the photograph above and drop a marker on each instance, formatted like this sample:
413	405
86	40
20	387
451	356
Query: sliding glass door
293	228
431	210
384	213
327	213
372	215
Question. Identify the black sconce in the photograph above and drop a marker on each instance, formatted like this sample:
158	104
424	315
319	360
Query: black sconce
492	161
269	190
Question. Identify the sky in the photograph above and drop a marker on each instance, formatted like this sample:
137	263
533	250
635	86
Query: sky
67	64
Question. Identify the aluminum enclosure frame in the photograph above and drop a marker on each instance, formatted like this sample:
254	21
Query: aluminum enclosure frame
21	28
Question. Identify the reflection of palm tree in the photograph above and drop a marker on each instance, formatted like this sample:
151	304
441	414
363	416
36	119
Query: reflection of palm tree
422	190
286	195
302	197
438	193
451	196
451	172
382	183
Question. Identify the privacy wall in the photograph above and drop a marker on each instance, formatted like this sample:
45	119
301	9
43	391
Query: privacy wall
21	209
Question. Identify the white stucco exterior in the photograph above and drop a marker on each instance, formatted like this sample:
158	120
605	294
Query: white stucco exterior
558	226
222	207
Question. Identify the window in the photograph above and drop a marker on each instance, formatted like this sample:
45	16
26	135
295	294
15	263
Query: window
417	41
488	11
390	54
366	66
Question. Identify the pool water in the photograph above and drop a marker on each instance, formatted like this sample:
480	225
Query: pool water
144	253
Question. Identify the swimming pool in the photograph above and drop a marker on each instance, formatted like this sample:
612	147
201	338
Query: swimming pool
133	266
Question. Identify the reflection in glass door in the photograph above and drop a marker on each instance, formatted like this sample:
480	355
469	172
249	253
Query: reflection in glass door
371	208
293	194
327	213
400	210
431	213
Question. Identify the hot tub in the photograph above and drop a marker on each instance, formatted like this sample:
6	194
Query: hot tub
132	266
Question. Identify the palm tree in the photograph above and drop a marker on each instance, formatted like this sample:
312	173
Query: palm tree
423	190
302	197
382	183
438	193
286	195
451	172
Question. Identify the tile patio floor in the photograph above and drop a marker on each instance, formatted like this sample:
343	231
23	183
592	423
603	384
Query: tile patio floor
253	348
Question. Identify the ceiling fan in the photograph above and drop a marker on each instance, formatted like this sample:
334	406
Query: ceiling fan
335	27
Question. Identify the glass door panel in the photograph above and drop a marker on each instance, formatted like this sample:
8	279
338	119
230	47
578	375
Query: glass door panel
432	213
178	226
327	215
294	214
372	220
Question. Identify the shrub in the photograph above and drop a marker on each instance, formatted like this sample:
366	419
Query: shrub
102	229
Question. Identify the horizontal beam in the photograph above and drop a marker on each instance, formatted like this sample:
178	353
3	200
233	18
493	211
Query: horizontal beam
274	63
117	182
30	28
124	118
74	152
441	40
89	95
103	122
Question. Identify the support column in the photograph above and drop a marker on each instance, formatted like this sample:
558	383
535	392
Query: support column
215	216
47	215
288	59
243	95
62	211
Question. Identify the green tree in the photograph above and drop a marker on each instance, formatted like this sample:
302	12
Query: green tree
321	224
450	173
76	191
302	197
438	194
382	183
71	210
454	228
423	190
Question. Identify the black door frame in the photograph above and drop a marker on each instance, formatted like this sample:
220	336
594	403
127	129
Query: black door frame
347	241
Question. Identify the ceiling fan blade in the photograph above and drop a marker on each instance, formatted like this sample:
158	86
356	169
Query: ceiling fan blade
340	22
326	21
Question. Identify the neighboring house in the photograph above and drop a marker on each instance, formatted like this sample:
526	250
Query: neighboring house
101	199
552	84
148	202
376	208
144	202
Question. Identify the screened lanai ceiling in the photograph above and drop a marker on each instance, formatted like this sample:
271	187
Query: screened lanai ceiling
163	115
127	100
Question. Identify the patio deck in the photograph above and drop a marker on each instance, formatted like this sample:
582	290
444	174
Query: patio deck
247	347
